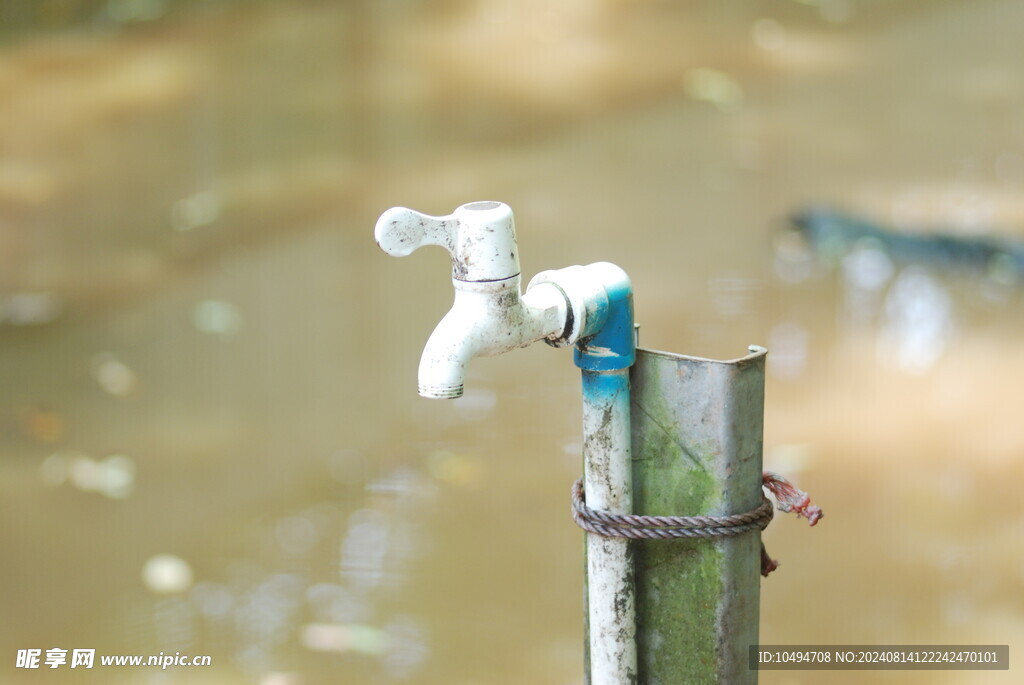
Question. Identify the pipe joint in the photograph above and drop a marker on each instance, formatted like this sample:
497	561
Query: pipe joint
600	300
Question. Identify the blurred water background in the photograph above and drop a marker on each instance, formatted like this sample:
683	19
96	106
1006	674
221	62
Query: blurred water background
210	439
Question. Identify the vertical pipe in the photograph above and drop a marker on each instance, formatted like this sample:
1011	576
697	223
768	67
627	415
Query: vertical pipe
608	483
604	359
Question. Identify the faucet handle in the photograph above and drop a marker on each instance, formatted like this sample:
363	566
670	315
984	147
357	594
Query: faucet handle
479	236
400	231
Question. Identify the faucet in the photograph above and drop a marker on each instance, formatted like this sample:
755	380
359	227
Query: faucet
490	316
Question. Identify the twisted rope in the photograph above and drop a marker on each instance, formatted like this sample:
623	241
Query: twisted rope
641	527
638	527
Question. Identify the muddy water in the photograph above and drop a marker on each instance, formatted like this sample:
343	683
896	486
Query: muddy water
211	440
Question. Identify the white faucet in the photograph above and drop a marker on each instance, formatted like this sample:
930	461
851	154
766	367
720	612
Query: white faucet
489	315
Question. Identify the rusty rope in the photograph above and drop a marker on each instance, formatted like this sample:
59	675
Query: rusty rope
641	527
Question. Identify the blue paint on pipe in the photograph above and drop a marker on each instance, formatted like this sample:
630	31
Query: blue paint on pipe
603	387
613	344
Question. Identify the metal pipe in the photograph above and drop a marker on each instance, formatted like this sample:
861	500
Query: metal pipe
696	448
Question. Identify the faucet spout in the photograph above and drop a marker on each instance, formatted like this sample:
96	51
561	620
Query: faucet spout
487	318
442	372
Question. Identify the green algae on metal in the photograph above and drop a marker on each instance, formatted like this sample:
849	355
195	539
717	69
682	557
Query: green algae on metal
696	450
